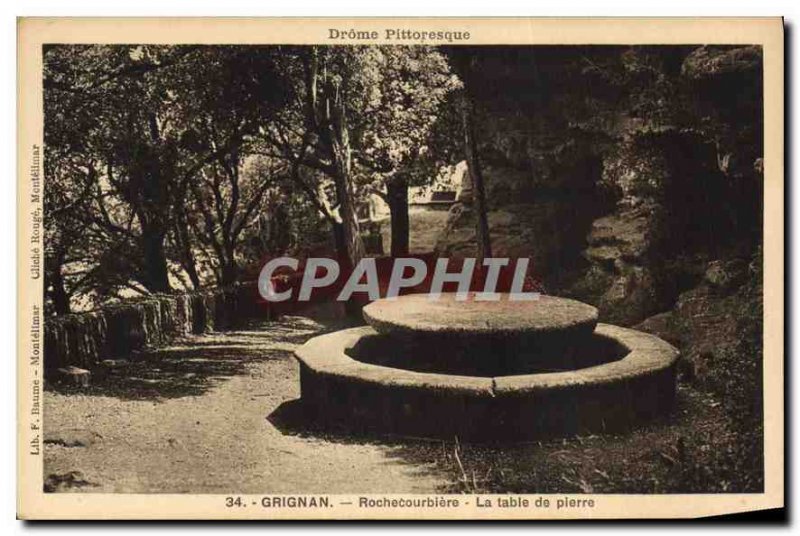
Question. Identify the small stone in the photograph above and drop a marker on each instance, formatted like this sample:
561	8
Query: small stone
75	376
660	325
66	481
725	275
71	438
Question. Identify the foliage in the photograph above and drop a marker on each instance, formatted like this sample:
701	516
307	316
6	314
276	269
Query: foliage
400	130
182	166
127	131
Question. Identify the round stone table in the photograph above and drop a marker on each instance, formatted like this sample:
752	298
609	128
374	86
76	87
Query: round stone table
484	338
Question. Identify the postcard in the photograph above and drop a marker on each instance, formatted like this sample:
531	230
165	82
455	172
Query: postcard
409	269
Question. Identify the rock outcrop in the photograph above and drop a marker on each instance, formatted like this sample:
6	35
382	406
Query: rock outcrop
634	178
621	171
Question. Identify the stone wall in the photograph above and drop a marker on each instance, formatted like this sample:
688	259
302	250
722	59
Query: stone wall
116	332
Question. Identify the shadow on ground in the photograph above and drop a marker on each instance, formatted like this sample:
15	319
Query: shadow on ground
192	365
428	456
683	452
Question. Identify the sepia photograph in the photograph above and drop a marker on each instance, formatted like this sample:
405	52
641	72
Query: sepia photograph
398	267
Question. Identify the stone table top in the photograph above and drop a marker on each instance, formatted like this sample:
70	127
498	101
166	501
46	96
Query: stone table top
417	313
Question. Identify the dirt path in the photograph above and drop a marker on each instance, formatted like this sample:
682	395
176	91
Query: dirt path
200	417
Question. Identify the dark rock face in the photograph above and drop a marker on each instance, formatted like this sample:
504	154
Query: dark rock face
633	176
542	172
621	171
711	63
545	231
718	326
618	279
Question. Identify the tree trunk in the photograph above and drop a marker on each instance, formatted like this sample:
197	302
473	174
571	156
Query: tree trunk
397	198
339	243
351	231
184	245
230	274
156	274
346	198
59	293
190	266
351	308
476	175
230	270
330	119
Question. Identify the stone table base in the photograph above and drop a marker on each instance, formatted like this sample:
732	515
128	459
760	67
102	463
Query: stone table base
378	399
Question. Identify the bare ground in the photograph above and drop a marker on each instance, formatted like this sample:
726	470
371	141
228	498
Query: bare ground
215	414
194	417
